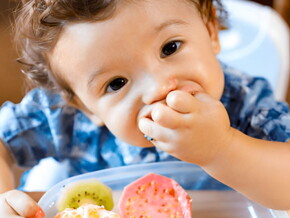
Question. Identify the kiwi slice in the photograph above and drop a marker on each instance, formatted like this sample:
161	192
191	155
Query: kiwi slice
90	191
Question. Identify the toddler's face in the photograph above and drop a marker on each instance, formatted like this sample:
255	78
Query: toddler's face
121	67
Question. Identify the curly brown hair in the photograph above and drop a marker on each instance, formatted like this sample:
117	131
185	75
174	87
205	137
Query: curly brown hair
39	22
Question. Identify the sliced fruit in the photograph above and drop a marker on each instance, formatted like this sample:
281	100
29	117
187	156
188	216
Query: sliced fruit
89	191
87	211
155	196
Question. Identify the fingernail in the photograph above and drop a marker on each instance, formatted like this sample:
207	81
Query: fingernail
40	213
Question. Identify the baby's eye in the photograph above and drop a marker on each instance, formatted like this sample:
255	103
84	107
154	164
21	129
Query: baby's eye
170	48
116	84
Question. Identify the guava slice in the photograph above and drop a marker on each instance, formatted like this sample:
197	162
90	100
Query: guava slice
155	196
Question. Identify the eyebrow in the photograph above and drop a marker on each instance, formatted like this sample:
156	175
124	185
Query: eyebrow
169	23
92	77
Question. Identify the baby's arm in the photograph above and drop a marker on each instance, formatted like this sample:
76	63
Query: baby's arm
257	168
13	203
197	130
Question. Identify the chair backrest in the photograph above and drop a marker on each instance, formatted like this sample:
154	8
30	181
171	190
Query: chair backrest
257	42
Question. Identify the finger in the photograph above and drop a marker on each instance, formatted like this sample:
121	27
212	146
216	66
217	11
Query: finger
166	117
182	102
6	211
166	147
203	97
152	129
39	214
23	205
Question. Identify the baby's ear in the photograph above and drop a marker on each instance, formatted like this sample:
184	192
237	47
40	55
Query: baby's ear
213	29
78	104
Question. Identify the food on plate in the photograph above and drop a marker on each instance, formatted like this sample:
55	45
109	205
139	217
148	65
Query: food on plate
151	196
89	191
155	196
87	211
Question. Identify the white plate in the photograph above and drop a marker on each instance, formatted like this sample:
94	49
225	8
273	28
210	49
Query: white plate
205	203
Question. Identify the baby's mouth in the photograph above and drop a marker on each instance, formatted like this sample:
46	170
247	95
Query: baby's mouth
190	89
145	112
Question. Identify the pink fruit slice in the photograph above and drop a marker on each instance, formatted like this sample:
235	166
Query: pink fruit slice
154	196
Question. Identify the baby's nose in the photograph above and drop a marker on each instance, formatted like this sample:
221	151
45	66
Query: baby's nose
158	90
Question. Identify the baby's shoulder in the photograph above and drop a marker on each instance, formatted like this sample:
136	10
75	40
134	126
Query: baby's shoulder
43	97
240	83
39	109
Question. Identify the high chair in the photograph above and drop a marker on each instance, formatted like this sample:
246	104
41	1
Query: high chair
257	42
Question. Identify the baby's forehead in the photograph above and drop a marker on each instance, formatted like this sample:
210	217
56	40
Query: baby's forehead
143	17
130	22
129	8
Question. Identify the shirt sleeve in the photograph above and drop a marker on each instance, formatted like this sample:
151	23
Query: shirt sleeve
253	109
38	127
269	116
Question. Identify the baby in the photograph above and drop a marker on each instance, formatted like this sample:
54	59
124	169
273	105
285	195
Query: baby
149	67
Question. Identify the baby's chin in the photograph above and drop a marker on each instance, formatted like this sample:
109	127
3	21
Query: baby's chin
141	141
147	145
144	143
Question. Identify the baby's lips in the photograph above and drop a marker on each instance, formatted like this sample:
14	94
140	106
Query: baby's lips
191	87
190	90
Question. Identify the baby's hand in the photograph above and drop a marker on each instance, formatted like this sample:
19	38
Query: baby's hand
192	128
16	204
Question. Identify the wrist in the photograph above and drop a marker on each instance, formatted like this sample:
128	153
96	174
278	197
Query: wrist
221	149
228	154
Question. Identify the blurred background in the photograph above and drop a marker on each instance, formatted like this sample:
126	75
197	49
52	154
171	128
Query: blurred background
11	79
12	85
